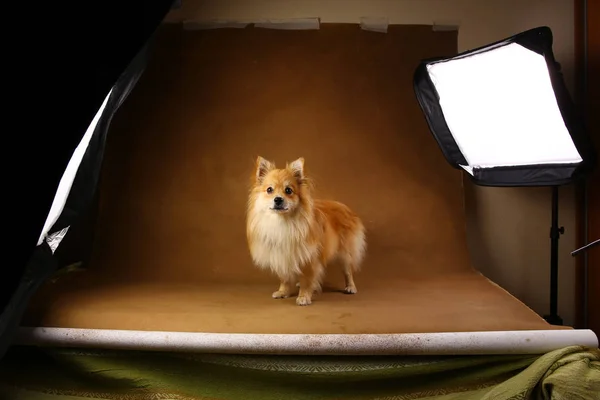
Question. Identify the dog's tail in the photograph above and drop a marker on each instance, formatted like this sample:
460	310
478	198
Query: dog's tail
358	246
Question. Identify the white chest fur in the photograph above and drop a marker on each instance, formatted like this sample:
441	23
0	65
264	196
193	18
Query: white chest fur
280	244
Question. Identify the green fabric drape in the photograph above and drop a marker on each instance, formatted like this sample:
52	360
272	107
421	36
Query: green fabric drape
571	373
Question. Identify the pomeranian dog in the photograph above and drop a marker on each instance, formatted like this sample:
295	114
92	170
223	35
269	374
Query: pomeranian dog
295	236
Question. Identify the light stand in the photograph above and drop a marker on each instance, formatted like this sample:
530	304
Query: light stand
555	232
503	114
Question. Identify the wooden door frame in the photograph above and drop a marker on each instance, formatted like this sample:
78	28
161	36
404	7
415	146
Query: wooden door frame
578	97
582	65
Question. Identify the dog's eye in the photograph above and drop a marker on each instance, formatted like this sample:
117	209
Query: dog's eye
269	190
288	191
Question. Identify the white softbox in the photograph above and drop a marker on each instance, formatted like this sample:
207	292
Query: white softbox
503	114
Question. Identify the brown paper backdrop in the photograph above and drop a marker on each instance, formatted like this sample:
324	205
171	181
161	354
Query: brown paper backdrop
170	250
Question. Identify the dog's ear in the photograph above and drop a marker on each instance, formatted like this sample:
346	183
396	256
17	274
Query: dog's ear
297	168
262	168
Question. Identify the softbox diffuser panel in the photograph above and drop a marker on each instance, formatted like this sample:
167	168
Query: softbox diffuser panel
502	113
57	179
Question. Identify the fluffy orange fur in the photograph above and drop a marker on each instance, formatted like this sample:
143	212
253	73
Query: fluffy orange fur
296	236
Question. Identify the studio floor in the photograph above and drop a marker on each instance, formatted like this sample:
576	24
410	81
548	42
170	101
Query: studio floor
461	302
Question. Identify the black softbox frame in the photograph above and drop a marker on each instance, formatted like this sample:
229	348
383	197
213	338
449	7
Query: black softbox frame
66	73
538	40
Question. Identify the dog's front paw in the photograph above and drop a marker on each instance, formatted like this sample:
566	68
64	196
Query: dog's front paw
303	301
350	289
280	294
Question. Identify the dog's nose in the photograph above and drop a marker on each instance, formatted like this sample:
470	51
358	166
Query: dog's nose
278	201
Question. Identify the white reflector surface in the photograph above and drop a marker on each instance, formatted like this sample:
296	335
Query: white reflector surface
66	182
501	109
